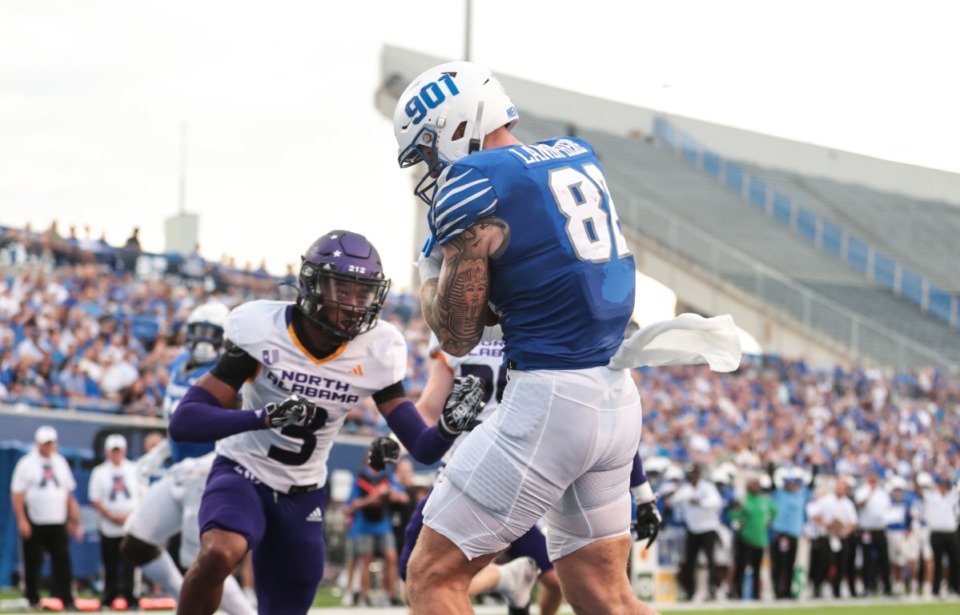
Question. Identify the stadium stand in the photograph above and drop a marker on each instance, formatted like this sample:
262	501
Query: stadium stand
919	234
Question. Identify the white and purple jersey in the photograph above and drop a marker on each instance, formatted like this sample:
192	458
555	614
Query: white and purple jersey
182	377
296	456
485	362
564	285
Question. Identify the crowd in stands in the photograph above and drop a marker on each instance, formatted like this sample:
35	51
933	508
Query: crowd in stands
88	326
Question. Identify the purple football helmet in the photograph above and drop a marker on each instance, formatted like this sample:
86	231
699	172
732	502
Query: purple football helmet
342	271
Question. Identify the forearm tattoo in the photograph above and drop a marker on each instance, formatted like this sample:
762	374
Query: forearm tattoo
460	308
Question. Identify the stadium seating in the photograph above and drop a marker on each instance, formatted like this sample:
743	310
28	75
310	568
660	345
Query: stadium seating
920	234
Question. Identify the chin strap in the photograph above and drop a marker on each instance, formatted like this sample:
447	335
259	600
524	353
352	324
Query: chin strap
476	141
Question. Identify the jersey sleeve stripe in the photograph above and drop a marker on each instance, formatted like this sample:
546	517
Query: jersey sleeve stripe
464	195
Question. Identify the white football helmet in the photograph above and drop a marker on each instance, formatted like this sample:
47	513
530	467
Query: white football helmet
204	331
444	115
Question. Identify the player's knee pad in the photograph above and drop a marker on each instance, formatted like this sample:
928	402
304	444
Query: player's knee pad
136	552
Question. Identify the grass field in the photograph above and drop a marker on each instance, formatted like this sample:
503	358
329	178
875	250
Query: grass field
809	608
328	604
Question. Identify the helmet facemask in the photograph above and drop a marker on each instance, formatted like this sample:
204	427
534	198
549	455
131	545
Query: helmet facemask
204	339
424	149
342	305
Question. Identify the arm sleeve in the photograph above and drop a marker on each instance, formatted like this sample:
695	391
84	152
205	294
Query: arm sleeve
201	418
235	366
425	444
637	475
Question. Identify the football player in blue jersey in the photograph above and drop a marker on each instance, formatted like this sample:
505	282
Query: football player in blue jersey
526	235
301	366
172	503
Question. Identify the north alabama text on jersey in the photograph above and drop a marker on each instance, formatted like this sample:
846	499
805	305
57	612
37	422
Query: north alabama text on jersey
312	385
539	152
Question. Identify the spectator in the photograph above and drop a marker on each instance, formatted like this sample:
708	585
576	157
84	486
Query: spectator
702	505
874	504
919	551
754	518
790	499
899	531
114	491
401	510
131	251
837	515
370	500
42	495
940	511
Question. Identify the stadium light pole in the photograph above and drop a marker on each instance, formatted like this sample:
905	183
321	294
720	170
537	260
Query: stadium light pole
183	167
466	29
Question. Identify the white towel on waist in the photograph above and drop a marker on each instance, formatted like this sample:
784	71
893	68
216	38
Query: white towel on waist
688	339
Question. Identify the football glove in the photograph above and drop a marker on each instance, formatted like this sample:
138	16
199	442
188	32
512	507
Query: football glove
461	407
382	450
649	521
294	410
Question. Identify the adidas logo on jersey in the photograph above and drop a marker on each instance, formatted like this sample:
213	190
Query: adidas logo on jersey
357	371
316	516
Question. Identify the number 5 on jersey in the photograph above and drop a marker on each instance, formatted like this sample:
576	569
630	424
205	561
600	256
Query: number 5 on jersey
592	223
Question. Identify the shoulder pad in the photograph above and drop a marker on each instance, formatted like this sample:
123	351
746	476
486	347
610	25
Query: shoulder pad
464	195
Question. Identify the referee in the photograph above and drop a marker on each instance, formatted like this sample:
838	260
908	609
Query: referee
41	490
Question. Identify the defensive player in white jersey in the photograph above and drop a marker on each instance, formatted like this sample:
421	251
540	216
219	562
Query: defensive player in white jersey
531	561
526	235
302	367
172	504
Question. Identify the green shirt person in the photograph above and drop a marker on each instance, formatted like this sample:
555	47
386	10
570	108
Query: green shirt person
754	516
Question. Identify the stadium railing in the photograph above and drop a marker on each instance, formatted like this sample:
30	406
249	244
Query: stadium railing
864	336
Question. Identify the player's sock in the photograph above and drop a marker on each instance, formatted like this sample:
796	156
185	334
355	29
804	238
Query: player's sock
162	571
517	579
233	601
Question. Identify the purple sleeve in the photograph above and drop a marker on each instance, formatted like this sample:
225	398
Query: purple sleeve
637	475
424	443
200	418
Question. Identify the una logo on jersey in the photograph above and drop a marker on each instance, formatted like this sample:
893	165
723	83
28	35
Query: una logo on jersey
430	96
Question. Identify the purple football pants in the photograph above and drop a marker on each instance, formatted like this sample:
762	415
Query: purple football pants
285	533
532	544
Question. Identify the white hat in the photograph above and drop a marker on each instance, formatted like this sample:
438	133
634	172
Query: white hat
113	441
44	434
719	475
896	482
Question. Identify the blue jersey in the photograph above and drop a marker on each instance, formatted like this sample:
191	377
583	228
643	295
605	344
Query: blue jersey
564	286
180	380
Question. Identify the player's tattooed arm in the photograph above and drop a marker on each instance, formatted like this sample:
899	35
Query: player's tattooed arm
455	305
